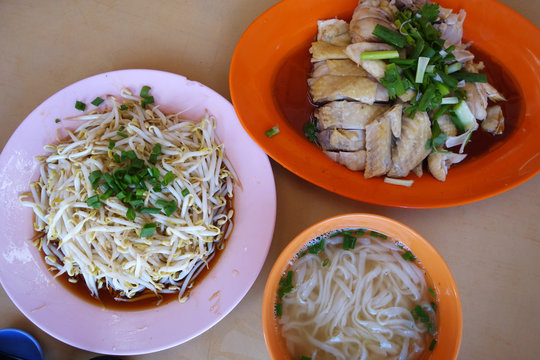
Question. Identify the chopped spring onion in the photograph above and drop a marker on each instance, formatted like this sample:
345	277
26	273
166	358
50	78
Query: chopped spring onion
452	68
80	105
421	69
148	229
273	131
93	202
349	242
97	101
431	291
147	101
168	178
285	284
325	262
432	345
145	91
389	36
185	192
378	234
449	100
317	247
278	309
57	120
464	119
408	256
402	182
470	77
123	107
379	55
130	214
111	144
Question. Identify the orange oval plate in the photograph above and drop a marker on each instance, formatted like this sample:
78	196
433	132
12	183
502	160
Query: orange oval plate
268	76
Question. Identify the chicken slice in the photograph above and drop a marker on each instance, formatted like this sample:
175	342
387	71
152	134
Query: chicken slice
354	160
347	114
334	31
451	28
447	126
359	88
363	12
492	93
494	123
337	67
394	114
440	162
379	143
362	29
375	68
410	148
321	50
342	140
476	99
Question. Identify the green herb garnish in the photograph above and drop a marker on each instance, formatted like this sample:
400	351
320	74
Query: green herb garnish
93	202
148	229
57	120
310	131
273	131
80	105
97	101
145	91
349	242
432	345
285	284
278	309
317	247
408	256
325	262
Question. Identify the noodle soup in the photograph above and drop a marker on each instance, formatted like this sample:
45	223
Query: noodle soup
356	294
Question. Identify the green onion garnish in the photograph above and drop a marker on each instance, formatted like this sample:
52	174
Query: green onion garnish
278	309
123	107
449	100
168	178
452	68
421	69
433	306
145	90
470	77
93	202
325	262
389	36
170	208
94	177
271	132
130	214
431	291
310	131
185	192
148	229
97	101
147	210
285	284
147	100
80	105
379	55
111	144
408	256
317	247
157	149
432	345
121	134
349	242
57	120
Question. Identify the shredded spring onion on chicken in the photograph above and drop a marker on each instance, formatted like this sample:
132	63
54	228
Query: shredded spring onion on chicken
100	243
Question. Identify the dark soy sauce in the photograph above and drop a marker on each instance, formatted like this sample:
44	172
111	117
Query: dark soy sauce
292	97
143	301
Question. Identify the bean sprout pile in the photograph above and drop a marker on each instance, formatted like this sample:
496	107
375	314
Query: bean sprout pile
133	201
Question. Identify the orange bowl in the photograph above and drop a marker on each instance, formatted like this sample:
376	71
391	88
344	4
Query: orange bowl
268	75
450	315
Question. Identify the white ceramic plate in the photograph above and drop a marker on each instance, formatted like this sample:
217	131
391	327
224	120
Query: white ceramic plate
72	320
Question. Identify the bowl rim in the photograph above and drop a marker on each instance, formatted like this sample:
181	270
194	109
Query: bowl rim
450	334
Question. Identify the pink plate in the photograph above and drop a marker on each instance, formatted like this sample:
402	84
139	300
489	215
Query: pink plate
76	322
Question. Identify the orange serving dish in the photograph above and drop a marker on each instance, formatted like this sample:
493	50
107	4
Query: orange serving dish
268	86
450	314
